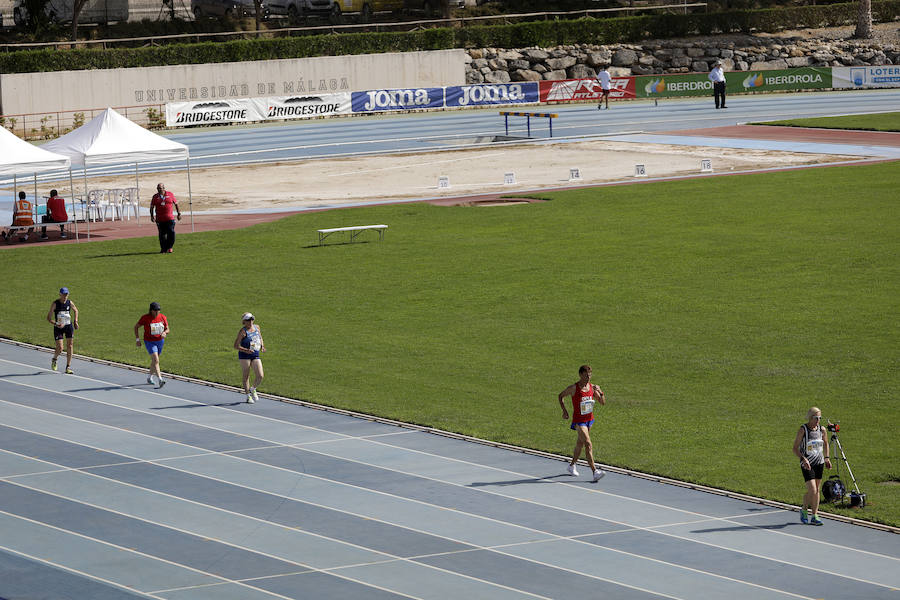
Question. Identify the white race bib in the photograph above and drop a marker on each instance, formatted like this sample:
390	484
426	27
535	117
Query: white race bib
157	328
587	406
255	343
63	318
814	447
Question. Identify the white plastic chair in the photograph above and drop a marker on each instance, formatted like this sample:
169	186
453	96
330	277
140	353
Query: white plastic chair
130	203
95	201
113	204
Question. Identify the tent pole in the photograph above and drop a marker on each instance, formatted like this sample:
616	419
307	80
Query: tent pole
74	214
87	200
35	203
190	196
137	187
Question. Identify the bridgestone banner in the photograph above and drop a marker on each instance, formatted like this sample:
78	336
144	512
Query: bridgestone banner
866	77
578	90
182	114
244	110
303	107
698	84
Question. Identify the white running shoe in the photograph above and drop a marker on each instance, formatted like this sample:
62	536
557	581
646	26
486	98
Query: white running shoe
598	474
150	379
250	399
153	380
572	471
162	382
254	394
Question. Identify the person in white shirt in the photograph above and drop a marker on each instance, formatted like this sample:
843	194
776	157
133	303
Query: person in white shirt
604	79
717	76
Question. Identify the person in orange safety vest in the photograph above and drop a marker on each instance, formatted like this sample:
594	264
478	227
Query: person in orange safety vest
22	216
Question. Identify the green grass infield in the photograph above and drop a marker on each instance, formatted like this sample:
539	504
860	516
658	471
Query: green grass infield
713	311
872	122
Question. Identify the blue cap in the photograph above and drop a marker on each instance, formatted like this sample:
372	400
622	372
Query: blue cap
63	290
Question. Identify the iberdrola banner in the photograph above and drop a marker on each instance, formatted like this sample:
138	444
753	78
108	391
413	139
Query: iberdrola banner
698	84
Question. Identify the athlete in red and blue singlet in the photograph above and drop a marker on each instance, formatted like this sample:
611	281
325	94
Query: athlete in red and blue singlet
584	395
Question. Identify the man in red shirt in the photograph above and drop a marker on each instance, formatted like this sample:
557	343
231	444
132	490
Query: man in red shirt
56	213
156	328
163	207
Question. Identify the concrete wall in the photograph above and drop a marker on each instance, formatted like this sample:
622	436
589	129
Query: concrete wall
23	93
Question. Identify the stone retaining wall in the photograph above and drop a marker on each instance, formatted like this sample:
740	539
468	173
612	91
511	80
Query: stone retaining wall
496	65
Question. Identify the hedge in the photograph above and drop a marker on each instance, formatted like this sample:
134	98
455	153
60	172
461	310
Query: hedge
518	35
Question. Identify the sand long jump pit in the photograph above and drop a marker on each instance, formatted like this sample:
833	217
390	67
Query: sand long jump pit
329	182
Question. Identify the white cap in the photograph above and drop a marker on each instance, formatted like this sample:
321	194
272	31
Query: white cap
247	317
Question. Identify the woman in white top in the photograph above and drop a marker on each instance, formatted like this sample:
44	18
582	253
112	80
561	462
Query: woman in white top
811	446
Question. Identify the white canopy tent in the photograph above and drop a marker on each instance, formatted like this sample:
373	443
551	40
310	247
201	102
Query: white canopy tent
111	139
18	157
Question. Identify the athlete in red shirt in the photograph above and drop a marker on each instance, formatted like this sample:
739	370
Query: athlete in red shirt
156	328
584	394
163	207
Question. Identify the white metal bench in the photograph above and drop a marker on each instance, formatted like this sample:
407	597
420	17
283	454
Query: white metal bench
354	231
22	230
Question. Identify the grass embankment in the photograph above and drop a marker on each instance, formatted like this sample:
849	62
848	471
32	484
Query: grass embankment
873	122
713	311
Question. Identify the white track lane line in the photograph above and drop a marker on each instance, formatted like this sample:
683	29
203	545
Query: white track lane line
117	547
474	546
307	568
497	493
345	436
44	561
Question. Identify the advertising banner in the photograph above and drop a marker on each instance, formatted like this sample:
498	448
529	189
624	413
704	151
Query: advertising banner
698	84
402	99
303	107
661	86
803	78
180	114
863	77
493	93
570	90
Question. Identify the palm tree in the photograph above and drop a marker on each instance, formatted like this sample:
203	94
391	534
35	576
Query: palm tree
864	20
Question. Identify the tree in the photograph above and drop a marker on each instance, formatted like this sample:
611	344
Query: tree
77	5
864	20
32	15
257	4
